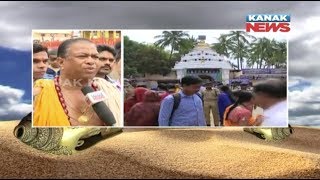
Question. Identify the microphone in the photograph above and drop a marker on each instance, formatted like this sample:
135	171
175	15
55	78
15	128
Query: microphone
96	99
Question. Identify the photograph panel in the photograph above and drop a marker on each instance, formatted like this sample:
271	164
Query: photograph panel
204	78
77	78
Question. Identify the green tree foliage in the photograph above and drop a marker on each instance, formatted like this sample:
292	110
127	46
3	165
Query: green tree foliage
262	52
140	58
174	39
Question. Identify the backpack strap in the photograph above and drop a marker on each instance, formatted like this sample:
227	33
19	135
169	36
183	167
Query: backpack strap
176	102
201	97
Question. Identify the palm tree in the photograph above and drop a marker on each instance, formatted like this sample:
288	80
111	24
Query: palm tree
223	45
172	39
240	52
263	50
279	56
270	49
186	45
253	57
236	38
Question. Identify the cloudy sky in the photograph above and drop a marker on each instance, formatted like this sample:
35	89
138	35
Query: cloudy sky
19	18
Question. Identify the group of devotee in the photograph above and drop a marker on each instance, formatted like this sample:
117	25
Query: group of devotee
61	75
204	104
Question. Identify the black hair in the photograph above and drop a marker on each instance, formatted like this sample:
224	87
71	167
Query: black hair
39	48
53	52
243	97
117	48
275	88
101	48
163	86
141	85
227	90
236	93
170	86
190	80
63	47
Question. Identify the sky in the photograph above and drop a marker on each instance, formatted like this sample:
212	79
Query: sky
17	19
15	84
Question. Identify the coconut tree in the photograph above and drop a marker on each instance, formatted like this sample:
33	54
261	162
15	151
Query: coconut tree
172	39
223	45
262	50
253	57
279	55
186	45
238	40
240	52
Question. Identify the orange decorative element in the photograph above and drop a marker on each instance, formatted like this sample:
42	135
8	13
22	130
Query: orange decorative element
107	41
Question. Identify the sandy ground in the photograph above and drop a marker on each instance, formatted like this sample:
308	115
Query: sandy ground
163	153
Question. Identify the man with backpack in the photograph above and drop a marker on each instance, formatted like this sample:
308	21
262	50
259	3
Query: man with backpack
184	108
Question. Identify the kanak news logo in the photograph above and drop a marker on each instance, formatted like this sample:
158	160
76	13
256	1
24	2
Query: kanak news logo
268	23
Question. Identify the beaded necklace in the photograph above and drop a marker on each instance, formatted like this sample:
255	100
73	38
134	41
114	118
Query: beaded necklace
62	99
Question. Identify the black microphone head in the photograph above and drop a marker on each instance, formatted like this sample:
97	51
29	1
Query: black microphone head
87	89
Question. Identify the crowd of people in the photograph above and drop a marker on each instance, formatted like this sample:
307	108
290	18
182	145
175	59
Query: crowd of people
194	103
60	75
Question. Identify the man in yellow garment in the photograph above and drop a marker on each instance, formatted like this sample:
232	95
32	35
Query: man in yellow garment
60	102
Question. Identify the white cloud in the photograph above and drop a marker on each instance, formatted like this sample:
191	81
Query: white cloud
14	36
304	45
11	105
310	94
304	26
313	120
293	80
304	106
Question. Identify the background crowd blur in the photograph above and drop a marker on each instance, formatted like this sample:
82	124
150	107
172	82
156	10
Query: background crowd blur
222	105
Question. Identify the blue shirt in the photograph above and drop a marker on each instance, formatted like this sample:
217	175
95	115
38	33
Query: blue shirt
189	112
223	102
52	72
48	76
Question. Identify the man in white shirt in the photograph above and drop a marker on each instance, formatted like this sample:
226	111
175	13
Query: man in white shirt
271	95
107	58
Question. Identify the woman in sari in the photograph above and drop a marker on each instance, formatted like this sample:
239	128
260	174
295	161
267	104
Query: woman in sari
136	98
240	113
144	113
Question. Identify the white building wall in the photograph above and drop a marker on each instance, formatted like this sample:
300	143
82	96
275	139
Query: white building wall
181	73
225	76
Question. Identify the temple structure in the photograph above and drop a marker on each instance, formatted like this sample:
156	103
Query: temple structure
204	62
